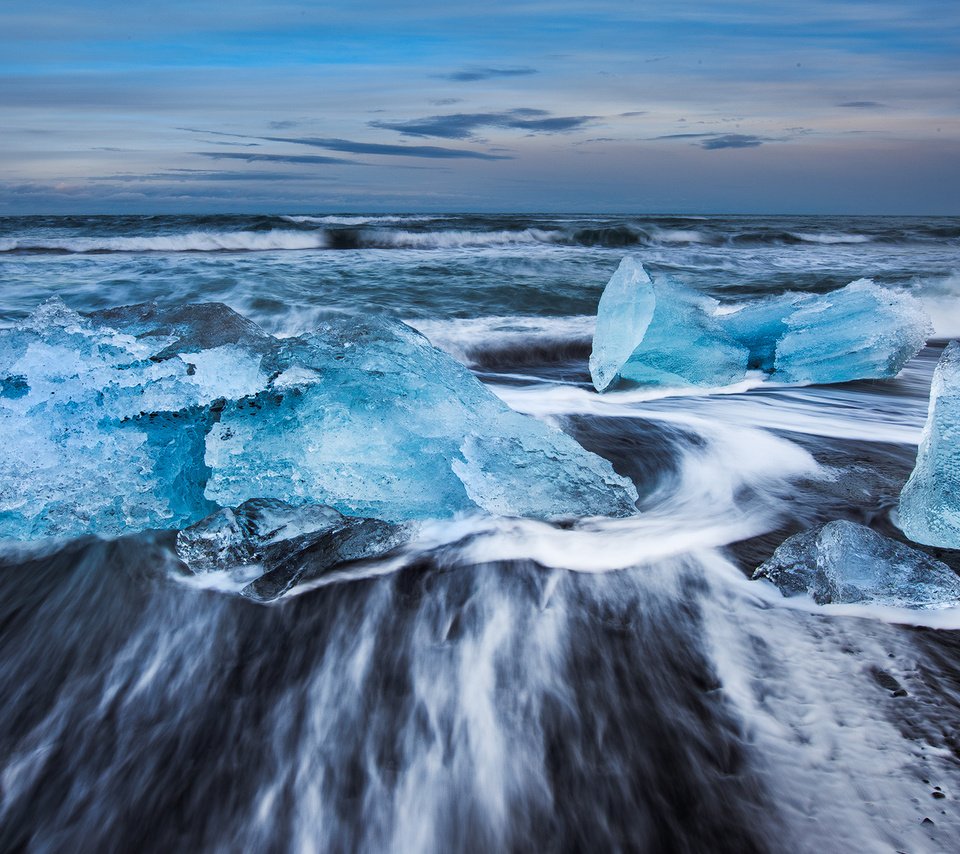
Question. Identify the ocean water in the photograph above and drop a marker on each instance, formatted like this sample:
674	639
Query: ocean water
500	684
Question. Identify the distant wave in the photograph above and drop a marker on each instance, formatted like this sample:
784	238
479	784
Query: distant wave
422	232
793	238
355	220
830	239
193	241
278	239
455	239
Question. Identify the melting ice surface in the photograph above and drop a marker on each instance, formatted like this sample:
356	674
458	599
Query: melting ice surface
930	501
146	417
842	562
654	331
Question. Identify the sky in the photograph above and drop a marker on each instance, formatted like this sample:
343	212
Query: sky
749	106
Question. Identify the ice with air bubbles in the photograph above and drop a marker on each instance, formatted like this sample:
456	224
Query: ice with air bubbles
151	417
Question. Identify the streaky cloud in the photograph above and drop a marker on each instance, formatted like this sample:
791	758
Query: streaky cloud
685	135
717	141
862	105
217	175
386	149
473	73
464	125
251	157
349	146
732	140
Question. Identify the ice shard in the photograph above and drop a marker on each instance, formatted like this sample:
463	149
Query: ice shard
145	417
930	500
843	562
284	544
654	331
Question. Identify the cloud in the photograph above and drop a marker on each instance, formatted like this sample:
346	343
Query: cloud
284	125
862	105
732	140
464	125
250	157
386	149
473	73
685	135
209	175
351	147
716	141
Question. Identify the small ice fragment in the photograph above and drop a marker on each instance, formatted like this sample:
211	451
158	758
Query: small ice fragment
843	562
288	544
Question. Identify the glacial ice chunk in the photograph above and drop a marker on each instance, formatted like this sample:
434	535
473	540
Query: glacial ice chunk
842	562
284	544
930	500
654	331
759	324
862	331
377	422
145	417
97	434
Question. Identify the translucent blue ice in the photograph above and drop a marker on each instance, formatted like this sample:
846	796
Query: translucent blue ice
842	562
366	416
653	331
930	501
862	331
144	417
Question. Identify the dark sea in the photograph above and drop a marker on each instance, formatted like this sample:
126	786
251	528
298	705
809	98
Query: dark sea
499	684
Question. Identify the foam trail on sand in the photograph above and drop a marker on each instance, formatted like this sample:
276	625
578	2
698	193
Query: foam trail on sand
819	412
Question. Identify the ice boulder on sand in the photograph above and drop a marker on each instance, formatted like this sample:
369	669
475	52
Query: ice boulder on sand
842	562
930	501
654	331
146	417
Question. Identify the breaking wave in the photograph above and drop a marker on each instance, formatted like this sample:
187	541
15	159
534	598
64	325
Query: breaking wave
193	241
355	220
84	235
833	239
